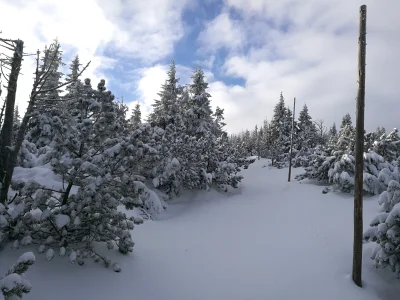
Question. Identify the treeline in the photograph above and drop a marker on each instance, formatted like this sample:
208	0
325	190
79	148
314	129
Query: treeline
272	139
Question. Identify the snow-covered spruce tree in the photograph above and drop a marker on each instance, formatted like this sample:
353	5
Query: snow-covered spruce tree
279	137
332	133
225	162
194	145
136	118
163	108
321	162
342	173
388	145
385	227
98	167
40	128
200	121
218	167
373	165
305	139
306	133
14	285
168	116
219	124
324	157
346	136
266	141
338	161
338	169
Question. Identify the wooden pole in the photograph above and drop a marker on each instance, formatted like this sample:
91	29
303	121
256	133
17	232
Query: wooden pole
291	140
359	148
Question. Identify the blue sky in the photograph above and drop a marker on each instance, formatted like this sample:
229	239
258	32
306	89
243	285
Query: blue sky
251	50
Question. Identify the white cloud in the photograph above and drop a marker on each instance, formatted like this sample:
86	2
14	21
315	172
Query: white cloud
149	81
148	86
222	32
41	21
308	49
145	30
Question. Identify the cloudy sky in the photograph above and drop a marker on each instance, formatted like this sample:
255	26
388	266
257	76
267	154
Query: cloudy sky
251	50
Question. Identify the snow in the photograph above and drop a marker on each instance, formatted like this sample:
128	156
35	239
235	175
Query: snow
10	282
27	257
50	254
62	220
268	239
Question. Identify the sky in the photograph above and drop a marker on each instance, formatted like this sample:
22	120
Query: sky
250	50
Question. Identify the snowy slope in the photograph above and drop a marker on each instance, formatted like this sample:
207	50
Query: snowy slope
268	240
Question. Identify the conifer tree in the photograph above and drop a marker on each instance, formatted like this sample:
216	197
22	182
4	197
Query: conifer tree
388	145
200	112
94	156
306	136
40	128
219	123
333	131
280	131
165	108
136	117
346	136
385	227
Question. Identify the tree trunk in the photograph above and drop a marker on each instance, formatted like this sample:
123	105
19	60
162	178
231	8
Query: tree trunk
7	129
359	149
291	141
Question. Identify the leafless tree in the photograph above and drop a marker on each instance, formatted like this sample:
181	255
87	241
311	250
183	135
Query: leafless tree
321	128
13	65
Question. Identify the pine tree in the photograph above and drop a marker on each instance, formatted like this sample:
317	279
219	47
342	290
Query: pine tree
332	132
40	128
219	123
388	145
75	69
136	117
165	108
346	136
92	155
385	227
306	135
280	131
346	120
200	112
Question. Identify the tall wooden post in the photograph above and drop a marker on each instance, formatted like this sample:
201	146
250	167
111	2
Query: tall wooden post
291	140
359	148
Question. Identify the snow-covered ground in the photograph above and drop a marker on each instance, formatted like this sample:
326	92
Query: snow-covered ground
270	239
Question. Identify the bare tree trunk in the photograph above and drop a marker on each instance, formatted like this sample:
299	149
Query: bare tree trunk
7	129
291	141
359	149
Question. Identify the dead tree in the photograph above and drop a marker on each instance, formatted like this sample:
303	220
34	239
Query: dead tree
14	65
321	128
359	149
41	77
